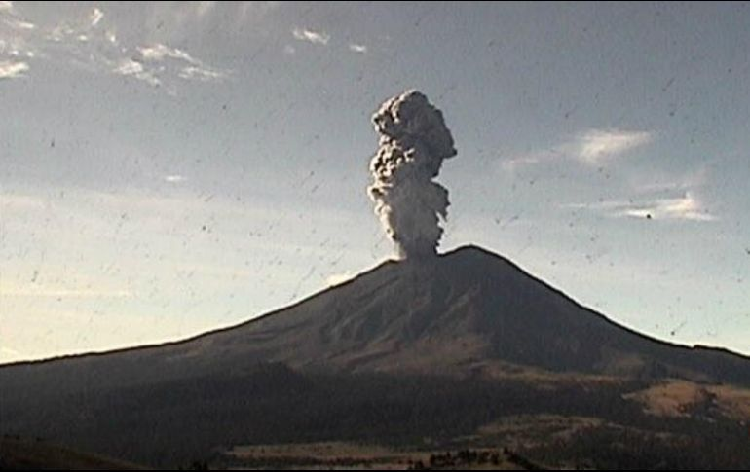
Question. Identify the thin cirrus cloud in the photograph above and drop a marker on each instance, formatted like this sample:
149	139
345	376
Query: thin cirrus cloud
135	69
159	52
155	59
594	146
201	74
88	40
96	16
152	63
685	208
656	182
13	69
358	48
597	145
311	36
10	17
175	178
18	23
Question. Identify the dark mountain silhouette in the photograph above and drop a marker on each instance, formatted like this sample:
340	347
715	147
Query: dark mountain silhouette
433	347
32	454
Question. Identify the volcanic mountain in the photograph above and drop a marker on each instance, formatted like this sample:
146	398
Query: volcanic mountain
437	347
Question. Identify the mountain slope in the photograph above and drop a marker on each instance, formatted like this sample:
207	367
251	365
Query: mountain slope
430	348
27	454
468	312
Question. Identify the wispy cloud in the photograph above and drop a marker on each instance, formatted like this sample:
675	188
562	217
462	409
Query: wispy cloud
18	23
96	16
88	40
175	22
135	69
202	74
12	69
11	18
157	62
159	52
533	158
358	48
289	50
685	208
175	178
315	37
60	32
594	147
191	68
656	182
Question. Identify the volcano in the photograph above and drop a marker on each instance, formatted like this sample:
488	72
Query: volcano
447	348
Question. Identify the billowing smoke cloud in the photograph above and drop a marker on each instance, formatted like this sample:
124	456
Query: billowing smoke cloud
414	141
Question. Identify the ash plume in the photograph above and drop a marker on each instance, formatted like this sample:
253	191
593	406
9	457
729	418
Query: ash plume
414	141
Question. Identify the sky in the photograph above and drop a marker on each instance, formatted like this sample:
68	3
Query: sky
171	168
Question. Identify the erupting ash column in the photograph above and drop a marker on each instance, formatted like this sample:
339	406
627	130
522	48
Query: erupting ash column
414	141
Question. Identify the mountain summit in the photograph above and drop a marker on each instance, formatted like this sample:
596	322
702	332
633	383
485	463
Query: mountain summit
444	343
467	311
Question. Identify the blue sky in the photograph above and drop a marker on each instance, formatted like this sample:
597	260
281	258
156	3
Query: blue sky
170	168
